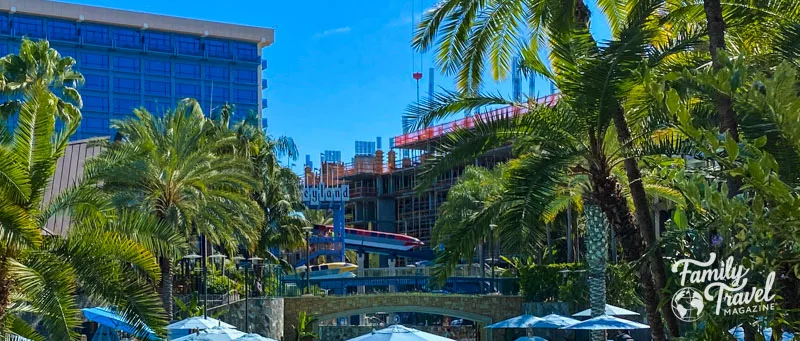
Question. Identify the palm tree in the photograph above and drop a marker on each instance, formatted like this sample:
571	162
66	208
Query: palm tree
596	257
468	33
317	217
43	275
594	81
172	167
37	64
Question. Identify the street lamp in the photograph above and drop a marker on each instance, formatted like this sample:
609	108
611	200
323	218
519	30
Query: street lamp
491	251
307	272
189	258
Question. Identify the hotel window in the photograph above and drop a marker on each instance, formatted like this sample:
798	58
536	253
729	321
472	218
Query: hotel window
126	64
127	85
217	73
156	67
187	91
221	94
95	123
95	82
125	105
156	88
245	96
92	60
158	42
31	27
188	45
61	30
95	103
246	52
95	34
217	48
5	25
187	70
245	76
158	107
3	49
127	38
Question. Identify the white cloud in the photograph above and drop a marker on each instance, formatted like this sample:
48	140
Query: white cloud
338	30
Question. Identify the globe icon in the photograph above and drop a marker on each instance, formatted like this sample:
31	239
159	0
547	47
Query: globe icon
688	304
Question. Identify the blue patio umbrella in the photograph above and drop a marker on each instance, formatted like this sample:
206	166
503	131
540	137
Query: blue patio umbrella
553	321
522	321
605	322
610	310
399	333
105	333
738	334
107	317
531	338
254	337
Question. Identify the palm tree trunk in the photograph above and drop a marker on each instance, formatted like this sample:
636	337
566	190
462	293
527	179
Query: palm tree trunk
715	24
569	233
609	196
596	257
646	226
166	285
5	286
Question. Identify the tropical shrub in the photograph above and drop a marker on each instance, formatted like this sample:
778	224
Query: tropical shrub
566	282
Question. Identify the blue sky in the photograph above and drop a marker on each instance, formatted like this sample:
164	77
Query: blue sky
339	71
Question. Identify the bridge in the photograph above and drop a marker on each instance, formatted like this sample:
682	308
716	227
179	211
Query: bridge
275	317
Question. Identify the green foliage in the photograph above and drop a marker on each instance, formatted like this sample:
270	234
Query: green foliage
304	330
566	282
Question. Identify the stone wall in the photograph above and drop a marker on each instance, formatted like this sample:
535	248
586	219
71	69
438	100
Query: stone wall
482	309
266	316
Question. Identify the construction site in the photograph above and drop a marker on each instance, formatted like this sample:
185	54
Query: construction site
384	193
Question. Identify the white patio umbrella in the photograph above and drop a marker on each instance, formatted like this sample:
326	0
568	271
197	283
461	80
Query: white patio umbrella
199	323
399	333
213	334
610	311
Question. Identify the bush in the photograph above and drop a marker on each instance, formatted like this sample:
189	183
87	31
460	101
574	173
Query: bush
549	283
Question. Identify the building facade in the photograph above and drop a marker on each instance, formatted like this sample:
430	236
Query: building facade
133	59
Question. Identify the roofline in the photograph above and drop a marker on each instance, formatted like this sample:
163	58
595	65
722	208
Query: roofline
141	20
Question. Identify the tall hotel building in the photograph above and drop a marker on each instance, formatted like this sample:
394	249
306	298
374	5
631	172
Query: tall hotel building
133	59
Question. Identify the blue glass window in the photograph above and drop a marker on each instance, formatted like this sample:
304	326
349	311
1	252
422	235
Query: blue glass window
67	52
188	45
127	38
156	67
95	123
217	48
127	85
3	49
126	64
96	34
158	42
125	105
245	96
155	106
95	103
187	91
61	30
187	70
93	60
5	26
157	88
221	94
246	52
219	73
31	27
245	76
95	82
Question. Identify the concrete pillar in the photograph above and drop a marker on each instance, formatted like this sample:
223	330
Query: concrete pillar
360	264
392	261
